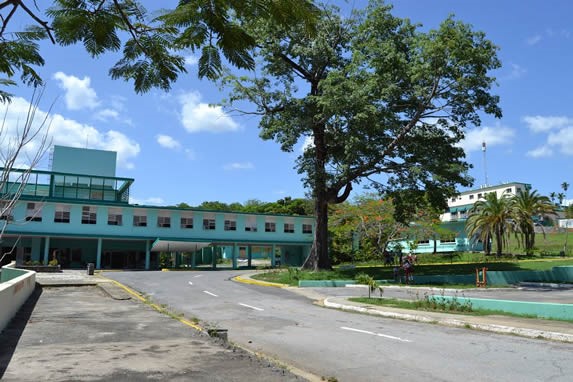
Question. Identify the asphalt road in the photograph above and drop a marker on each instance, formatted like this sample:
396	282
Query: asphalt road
348	346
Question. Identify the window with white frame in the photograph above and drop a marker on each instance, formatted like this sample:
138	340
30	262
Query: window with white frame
164	221
230	225
62	214
114	216
306	228
289	227
270	226
89	215
139	218
251	224
33	212
187	221
209	224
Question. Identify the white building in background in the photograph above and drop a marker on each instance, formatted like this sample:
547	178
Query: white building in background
458	206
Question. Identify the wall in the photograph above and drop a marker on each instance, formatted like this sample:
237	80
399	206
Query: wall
16	285
83	161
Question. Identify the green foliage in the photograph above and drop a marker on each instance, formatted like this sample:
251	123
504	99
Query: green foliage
149	42
368	222
53	262
370	91
496	218
366	279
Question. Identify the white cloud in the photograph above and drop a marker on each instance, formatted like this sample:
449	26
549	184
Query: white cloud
68	132
106	114
197	116
239	166
308	142
191	60
78	93
533	39
540	152
167	142
517	71
562	139
538	123
493	136
151	201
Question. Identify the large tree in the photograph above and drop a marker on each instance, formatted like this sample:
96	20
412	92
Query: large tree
150	41
373	94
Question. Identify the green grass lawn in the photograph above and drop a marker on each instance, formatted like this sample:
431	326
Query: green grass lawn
291	276
423	306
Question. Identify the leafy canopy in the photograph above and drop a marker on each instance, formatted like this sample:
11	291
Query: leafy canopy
150	43
373	95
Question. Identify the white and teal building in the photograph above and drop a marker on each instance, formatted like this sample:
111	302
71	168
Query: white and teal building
454	221
79	213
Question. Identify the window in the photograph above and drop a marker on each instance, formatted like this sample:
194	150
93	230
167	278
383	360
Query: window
209	224
449	239
251	224
114	216
139	221
33	212
471	196
5	213
423	242
89	215
62	214
187	222
508	190
230	225
164	221
289	227
270	227
479	196
307	228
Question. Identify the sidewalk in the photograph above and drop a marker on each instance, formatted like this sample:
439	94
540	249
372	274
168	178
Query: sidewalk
525	327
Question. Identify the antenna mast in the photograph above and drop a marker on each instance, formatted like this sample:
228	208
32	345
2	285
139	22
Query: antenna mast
483	147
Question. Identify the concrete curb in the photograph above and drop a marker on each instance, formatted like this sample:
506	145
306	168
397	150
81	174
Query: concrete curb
529	333
245	279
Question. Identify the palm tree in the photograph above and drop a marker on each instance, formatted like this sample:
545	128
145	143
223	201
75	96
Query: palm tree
553	195
565	186
524	206
489	218
560	197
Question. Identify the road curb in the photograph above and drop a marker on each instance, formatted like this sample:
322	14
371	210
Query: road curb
502	329
155	306
248	280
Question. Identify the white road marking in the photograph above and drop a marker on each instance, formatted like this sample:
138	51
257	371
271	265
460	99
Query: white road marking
252	307
374	334
198	276
209	293
190	283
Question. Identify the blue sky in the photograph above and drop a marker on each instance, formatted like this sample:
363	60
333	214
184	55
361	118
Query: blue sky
180	149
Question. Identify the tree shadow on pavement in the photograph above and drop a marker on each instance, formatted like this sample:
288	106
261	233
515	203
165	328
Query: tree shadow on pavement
10	337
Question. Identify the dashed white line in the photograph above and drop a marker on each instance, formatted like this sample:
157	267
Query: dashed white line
252	307
198	276
209	293
375	334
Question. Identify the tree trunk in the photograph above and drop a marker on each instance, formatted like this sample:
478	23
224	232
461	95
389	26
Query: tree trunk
318	257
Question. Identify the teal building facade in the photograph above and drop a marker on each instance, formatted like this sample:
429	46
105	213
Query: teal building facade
79	213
